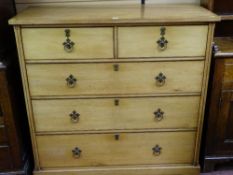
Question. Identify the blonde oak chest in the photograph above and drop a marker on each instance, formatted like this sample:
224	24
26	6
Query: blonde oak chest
115	89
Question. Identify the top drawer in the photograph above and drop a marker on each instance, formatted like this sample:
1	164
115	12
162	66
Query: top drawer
169	41
72	43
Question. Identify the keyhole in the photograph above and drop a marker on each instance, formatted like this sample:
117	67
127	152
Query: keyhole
116	102
117	136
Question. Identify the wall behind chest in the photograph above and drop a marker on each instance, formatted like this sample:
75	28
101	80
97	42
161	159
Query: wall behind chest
22	4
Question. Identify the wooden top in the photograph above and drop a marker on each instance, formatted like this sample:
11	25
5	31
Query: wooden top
224	46
113	14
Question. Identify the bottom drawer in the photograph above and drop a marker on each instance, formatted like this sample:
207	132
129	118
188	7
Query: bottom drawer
5	161
116	149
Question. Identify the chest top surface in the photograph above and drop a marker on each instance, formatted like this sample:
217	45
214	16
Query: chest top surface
114	14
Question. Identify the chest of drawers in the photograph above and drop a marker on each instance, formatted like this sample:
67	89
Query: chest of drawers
115	89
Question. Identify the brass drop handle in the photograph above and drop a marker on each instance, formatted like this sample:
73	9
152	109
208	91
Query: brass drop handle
159	114
71	81
162	42
160	79
74	116
76	152
68	44
157	150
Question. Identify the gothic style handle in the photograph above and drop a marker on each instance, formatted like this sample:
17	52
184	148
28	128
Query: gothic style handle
68	44
157	150
160	79
158	114
162	42
76	152
71	81
74	116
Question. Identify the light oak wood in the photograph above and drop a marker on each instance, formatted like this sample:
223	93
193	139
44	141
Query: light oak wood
125	170
98	84
47	43
104	150
28	104
102	114
117	14
50	79
142	41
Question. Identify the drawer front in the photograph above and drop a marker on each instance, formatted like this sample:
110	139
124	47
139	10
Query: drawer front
228	74
116	149
5	158
131	78
104	114
3	138
48	43
144	41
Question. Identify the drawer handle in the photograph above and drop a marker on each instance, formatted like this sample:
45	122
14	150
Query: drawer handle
160	79
159	114
162	42
74	116
68	44
157	150
71	81
76	152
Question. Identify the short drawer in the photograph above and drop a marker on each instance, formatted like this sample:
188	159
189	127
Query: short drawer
51	43
3	137
147	42
121	113
116	149
108	78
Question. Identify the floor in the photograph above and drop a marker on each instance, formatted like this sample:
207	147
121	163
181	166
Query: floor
219	173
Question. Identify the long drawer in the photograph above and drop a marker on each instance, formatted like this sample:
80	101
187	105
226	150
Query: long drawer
121	78
169	41
122	113
116	149
51	43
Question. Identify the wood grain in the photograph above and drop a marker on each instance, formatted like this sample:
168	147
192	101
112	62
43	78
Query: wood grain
47	43
102	114
141	41
225	46
132	78
114	14
104	150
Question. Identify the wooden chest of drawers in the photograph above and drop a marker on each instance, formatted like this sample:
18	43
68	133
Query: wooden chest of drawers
115	89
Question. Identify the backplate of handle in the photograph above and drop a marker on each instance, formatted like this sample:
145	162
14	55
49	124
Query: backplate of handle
76	152
68	44
71	81
160	79
162	42
157	150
